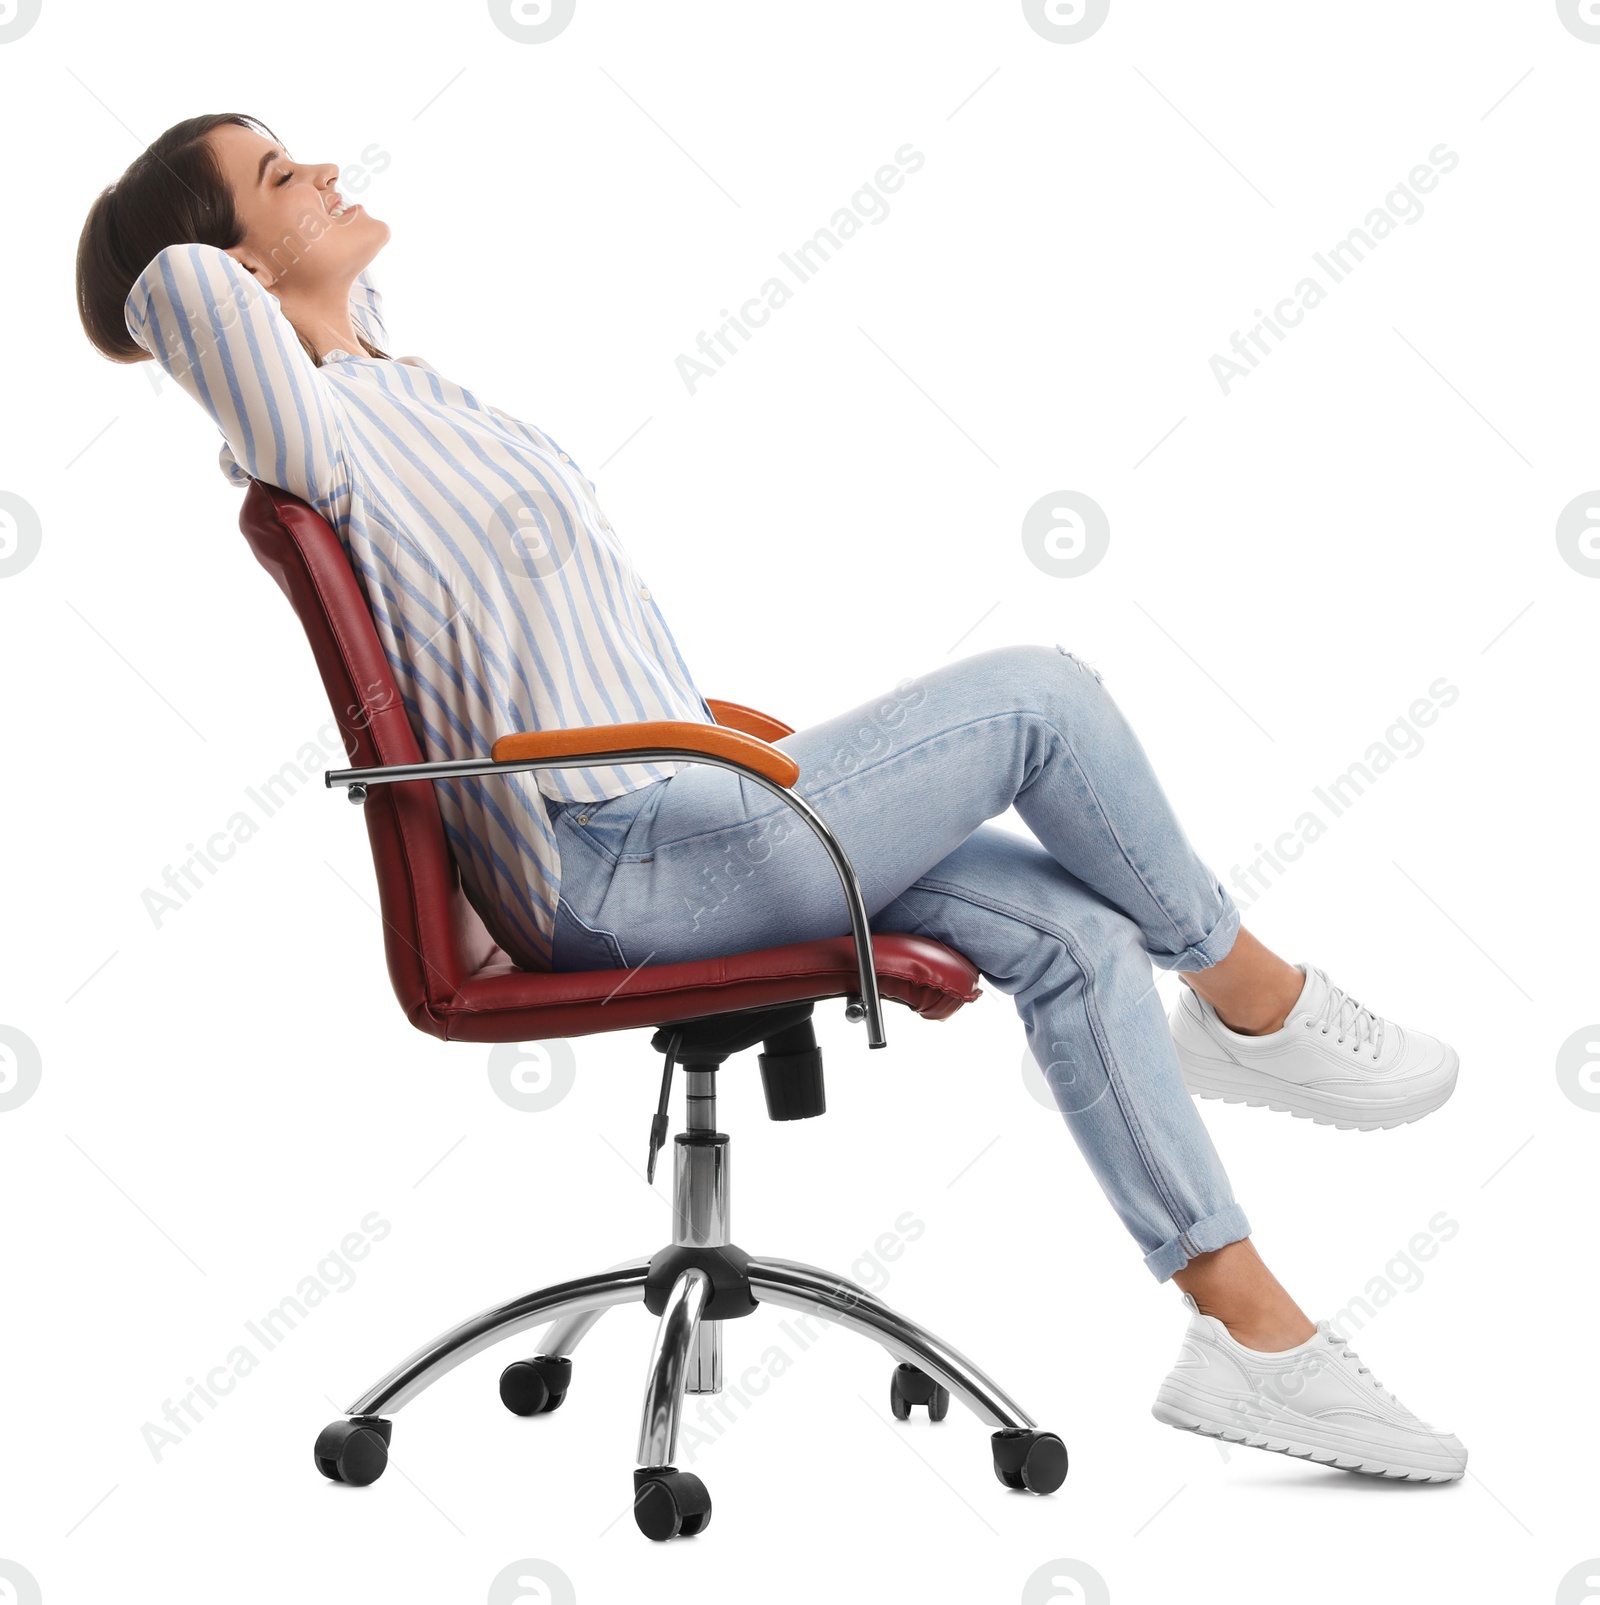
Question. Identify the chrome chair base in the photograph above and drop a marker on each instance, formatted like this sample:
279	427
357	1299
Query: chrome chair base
686	1355
574	1307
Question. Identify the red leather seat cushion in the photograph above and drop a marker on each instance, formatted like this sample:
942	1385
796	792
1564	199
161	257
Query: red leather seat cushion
923	974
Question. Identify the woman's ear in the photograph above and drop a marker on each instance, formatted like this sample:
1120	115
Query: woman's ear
248	262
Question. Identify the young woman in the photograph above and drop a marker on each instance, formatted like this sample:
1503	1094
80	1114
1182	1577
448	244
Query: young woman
506	602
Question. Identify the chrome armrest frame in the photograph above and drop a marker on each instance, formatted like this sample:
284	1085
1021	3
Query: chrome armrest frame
869	1006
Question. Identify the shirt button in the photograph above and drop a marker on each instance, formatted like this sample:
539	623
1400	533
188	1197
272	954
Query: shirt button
565	458
644	591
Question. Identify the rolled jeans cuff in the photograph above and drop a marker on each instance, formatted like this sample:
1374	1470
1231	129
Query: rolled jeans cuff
1228	1225
1212	948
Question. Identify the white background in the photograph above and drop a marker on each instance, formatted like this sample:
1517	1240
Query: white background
223	1098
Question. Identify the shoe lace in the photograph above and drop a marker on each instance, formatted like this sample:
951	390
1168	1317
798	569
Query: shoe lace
1342	1013
1350	1354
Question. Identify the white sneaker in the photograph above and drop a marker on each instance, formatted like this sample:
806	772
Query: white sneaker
1332	1060
1316	1401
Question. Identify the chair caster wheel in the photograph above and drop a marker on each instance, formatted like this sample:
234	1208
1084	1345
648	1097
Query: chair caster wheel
354	1451
668	1503
537	1386
909	1386
1026	1458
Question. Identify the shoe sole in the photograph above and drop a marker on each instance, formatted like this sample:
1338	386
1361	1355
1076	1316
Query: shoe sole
1201	1078
1339	1460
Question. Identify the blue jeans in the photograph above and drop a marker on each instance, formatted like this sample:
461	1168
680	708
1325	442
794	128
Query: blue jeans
704	863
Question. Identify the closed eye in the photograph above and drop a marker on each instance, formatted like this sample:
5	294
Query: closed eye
285	179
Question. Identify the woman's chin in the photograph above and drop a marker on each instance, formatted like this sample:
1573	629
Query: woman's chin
376	237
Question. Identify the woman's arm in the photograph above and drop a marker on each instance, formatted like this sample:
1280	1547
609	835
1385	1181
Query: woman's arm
225	340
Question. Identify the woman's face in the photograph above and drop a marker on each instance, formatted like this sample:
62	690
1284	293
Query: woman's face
287	209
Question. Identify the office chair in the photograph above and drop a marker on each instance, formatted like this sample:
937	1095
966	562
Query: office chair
456	983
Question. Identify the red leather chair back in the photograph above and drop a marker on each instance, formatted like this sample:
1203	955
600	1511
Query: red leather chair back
433	937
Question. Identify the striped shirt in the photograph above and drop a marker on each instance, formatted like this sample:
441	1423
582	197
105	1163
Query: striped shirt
501	594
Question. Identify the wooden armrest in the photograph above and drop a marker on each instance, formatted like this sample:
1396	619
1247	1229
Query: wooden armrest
754	723
715	740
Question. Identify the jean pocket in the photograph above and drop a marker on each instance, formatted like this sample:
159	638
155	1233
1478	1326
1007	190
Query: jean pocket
607	825
577	945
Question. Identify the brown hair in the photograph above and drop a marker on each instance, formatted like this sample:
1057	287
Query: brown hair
173	193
